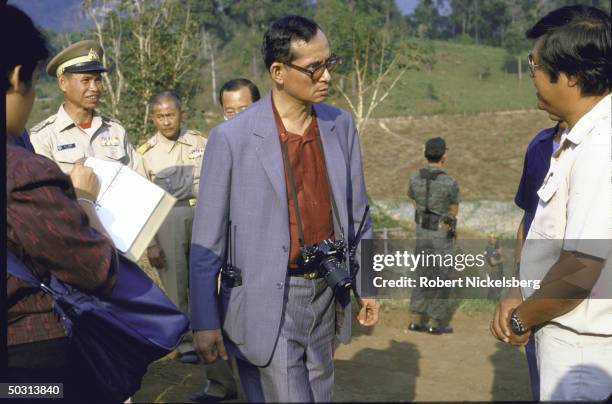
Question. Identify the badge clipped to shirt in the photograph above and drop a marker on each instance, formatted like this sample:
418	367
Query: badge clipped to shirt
110	141
66	146
195	153
549	187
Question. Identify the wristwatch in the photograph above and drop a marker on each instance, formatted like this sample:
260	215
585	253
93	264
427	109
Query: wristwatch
516	325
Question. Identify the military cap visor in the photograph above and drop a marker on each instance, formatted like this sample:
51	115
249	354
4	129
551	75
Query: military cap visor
80	57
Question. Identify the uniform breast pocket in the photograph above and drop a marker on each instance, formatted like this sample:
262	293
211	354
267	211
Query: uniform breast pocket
165	178
115	153
68	155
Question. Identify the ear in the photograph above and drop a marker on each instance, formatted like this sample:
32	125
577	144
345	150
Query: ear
277	73
572	81
15	85
62	82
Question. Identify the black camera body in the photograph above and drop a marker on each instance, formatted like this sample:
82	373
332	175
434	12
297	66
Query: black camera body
328	257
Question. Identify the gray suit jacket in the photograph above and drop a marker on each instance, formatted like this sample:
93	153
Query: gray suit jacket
242	180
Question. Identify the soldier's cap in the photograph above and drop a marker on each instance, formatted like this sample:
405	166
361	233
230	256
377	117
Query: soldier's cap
81	57
435	146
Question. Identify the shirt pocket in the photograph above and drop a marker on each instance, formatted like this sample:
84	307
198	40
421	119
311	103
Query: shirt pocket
550	217
165	179
115	153
69	155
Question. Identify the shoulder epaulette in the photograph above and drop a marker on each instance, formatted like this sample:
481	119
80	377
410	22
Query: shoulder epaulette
108	118
40	125
194	132
146	146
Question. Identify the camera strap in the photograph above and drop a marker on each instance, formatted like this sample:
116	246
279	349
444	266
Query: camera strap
296	209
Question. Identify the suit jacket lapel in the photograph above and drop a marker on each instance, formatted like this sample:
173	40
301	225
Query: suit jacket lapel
268	150
335	162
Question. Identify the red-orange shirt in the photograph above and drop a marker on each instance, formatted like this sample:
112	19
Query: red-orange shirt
314	202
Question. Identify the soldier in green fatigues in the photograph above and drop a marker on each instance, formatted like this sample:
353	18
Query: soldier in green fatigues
435	197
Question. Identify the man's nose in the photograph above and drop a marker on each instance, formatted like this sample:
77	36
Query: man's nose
95	86
326	76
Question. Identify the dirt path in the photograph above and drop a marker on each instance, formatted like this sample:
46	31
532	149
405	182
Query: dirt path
388	364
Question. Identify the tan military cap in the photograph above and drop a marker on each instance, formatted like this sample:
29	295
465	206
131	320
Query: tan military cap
80	57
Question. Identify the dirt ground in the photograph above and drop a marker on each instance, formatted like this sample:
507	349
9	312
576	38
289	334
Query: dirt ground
485	153
388	364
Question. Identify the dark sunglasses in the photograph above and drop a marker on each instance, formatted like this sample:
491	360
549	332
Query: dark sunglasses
316	72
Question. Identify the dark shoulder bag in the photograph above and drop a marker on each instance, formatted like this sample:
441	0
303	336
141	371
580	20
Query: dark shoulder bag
114	337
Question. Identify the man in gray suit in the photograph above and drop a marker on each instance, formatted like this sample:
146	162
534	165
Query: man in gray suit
283	174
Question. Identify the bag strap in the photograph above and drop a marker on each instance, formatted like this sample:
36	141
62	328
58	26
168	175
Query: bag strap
19	270
16	268
428	177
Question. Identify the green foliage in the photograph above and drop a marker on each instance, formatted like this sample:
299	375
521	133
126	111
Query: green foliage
224	37
380	219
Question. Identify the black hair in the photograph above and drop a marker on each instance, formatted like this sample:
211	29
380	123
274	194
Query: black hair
276	45
22	45
165	95
576	42
434	157
237	84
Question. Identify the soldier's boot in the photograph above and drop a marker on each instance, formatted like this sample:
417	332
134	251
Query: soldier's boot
439	327
418	322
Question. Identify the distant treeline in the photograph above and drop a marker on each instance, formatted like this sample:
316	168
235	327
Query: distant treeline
193	46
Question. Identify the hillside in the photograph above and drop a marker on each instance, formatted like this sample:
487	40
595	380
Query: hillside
485	151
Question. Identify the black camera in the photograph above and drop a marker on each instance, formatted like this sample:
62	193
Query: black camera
328	257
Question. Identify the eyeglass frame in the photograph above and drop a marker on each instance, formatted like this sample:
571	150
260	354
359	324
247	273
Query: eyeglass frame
532	66
335	59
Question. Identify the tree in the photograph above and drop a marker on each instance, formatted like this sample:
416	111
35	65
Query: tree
149	46
366	34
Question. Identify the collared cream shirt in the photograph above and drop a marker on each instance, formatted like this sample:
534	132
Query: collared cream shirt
175	164
575	214
64	142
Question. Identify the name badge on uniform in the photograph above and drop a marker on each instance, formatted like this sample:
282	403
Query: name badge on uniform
195	153
110	141
549	188
66	146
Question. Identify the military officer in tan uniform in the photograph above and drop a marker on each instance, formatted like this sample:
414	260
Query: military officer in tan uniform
78	130
172	158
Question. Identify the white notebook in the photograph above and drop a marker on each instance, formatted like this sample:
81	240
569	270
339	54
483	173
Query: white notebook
130	207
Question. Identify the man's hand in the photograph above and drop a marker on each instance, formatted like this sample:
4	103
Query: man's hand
368	312
85	182
500	325
209	345
519	340
156	256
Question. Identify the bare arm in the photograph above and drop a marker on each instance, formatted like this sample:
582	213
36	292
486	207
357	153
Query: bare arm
564	287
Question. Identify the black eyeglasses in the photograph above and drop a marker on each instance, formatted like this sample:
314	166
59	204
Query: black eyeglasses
316	72
532	65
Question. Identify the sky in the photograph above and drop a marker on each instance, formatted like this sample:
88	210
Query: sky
65	15
406	6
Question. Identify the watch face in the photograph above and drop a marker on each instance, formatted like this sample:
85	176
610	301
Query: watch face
515	325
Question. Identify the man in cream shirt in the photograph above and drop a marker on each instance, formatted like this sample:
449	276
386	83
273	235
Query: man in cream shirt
77	130
569	244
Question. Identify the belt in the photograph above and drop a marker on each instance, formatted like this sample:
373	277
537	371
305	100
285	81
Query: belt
186	202
304	273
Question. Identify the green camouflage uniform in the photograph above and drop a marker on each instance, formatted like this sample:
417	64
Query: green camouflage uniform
443	192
